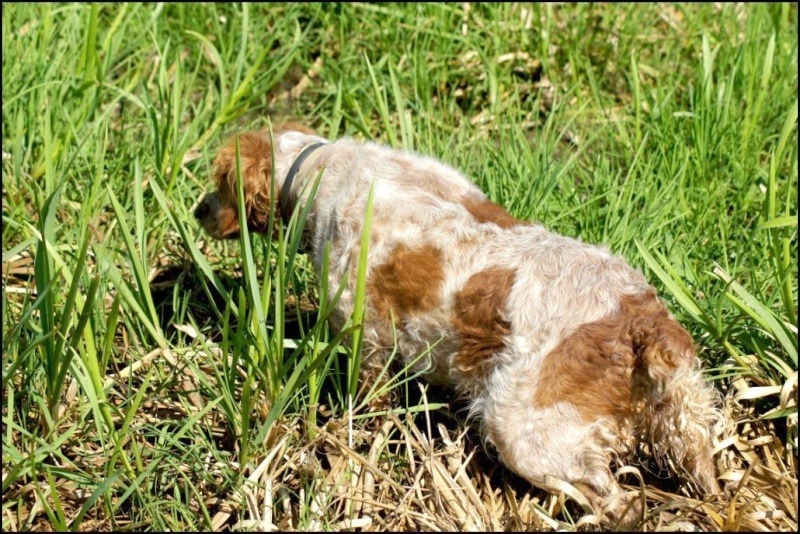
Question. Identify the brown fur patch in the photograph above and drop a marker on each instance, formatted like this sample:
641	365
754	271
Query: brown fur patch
484	210
409	282
255	158
611	367
478	316
227	223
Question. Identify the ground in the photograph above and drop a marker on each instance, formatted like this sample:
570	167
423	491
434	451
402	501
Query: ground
155	380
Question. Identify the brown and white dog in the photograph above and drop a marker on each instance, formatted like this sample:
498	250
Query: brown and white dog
566	354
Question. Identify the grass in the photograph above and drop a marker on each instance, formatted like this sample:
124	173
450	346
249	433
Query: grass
153	380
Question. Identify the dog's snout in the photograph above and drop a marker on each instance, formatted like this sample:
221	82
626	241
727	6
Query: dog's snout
202	209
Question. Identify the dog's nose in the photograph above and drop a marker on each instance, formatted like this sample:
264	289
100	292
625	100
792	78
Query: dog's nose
202	209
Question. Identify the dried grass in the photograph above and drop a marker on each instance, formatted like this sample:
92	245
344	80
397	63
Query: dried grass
402	475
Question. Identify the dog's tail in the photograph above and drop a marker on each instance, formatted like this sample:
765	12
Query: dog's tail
681	413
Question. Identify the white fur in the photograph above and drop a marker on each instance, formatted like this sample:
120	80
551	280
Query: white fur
559	285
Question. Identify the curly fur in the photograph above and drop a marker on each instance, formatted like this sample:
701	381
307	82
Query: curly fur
567	356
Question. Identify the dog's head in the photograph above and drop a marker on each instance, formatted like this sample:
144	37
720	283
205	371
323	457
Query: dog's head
217	211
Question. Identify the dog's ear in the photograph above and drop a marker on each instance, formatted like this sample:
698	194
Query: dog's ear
255	160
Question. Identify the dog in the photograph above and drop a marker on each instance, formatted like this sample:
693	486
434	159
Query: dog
567	357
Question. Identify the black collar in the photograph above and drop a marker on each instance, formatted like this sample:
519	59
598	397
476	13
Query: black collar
286	210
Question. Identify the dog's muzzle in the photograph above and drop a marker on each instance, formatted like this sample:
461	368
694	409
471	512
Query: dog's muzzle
202	209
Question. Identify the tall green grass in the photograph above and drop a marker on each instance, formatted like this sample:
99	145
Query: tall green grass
149	370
